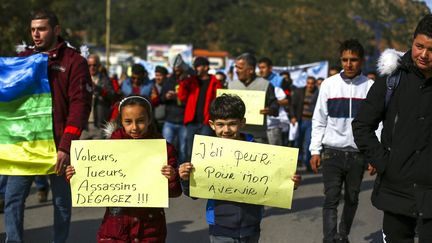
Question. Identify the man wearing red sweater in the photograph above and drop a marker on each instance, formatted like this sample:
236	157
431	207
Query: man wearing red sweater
197	92
71	90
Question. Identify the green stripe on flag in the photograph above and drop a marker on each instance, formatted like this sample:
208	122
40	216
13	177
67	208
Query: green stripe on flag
26	119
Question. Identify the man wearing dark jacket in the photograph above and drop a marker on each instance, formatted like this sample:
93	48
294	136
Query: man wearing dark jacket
302	107
173	129
71	90
403	188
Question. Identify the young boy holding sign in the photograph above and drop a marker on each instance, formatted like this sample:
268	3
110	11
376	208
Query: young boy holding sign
229	220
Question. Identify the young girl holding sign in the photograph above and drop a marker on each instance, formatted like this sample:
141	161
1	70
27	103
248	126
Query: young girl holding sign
137	224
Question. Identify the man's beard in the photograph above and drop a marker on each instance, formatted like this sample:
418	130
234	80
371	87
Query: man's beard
47	46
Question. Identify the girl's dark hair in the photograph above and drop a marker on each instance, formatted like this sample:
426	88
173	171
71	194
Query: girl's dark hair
227	107
145	103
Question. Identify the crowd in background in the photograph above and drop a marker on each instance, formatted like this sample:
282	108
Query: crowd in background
173	115
180	103
333	122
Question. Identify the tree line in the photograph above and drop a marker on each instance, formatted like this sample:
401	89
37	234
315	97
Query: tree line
287	31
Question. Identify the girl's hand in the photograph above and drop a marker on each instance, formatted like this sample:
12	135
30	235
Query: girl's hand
70	171
169	172
297	179
185	170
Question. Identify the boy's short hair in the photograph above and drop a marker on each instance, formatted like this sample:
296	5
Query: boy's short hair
227	106
161	70
266	60
45	14
311	78
138	69
424	27
352	45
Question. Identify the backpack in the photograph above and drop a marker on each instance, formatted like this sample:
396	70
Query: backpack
392	82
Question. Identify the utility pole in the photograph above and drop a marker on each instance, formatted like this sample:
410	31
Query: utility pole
107	34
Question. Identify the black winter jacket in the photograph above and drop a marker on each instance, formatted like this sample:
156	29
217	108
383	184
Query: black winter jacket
403	158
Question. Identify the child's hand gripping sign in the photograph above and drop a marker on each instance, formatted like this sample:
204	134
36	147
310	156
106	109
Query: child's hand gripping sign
121	172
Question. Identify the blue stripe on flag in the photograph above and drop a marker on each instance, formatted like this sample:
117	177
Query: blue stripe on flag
22	76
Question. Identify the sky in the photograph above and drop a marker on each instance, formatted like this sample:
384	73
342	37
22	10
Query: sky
429	3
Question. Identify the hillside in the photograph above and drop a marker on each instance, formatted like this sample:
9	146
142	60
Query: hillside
290	31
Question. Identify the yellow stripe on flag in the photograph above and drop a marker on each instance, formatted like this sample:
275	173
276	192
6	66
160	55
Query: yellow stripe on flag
28	158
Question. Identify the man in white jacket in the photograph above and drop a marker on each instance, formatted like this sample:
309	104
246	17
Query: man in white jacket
332	140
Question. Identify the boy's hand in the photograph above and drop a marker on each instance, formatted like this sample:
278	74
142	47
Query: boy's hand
284	102
169	172
185	170
315	162
297	179
372	170
170	95
70	171
265	111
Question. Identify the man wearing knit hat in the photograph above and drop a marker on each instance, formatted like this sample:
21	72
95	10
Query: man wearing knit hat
173	129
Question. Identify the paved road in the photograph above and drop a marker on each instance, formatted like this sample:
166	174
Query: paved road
186	219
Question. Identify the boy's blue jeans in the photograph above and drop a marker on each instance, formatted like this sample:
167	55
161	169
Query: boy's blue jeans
41	182
225	239
192	129
304	141
17	190
173	132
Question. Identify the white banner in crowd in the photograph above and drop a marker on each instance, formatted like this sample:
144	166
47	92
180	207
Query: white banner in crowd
150	67
300	73
164	55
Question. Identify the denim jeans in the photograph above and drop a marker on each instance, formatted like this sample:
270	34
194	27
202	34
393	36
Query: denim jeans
274	136
175	134
3	182
225	239
17	190
340	167
192	129
41	182
285	140
304	140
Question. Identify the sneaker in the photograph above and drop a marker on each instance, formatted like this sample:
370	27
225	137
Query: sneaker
42	196
342	240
